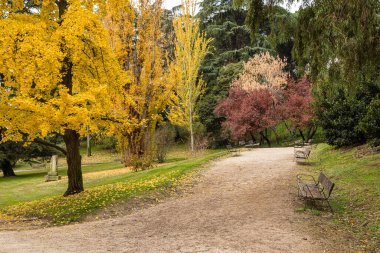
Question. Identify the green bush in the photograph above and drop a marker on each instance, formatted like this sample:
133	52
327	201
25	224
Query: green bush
339	116
371	122
107	143
349	119
164	139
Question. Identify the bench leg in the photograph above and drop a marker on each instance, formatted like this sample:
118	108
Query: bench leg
332	211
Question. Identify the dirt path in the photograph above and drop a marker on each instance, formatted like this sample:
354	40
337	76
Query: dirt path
242	204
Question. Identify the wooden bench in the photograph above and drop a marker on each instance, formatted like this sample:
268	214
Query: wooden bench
231	149
302	153
315	190
252	144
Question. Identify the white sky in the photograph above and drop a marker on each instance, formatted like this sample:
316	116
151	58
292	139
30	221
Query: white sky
168	4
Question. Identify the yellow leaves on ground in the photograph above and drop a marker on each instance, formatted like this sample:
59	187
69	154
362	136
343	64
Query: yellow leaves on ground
61	210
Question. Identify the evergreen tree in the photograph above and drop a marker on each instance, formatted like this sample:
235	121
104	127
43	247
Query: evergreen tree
11	152
336	43
231	45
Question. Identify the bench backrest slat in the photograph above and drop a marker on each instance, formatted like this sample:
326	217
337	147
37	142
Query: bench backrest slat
327	185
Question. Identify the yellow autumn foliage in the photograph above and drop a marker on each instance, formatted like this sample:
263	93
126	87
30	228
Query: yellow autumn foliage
136	39
35	49
191	47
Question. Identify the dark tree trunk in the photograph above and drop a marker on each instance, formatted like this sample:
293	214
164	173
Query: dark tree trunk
313	132
276	135
71	137
74	170
302	135
138	152
253	137
288	128
308	133
6	167
265	138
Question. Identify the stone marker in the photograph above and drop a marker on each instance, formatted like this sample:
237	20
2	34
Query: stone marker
53	172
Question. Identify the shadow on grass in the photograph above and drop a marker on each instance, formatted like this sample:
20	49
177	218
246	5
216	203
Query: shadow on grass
309	163
23	176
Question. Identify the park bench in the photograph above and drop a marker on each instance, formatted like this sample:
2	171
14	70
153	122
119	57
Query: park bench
302	153
251	144
315	190
231	149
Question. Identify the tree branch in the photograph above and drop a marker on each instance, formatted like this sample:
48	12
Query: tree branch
49	144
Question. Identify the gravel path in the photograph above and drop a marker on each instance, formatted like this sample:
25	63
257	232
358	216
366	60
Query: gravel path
242	204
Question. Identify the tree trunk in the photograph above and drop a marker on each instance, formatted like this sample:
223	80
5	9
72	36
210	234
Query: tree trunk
253	137
191	137
88	145
6	167
138	151
302	136
88	142
265	138
191	123
288	128
276	135
71	137
313	132
74	170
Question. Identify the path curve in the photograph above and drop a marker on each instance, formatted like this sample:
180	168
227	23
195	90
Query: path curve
242	204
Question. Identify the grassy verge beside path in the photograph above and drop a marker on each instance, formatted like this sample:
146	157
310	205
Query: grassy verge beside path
356	197
62	210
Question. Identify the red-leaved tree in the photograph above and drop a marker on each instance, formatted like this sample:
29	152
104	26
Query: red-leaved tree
296	107
262	96
247	112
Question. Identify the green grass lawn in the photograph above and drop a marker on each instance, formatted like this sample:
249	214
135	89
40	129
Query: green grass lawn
30	183
27	195
356	197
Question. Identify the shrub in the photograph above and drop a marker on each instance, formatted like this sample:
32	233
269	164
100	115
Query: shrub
371	122
164	138
106	142
339	116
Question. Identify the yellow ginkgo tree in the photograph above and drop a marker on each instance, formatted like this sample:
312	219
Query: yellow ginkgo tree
58	74
191	47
